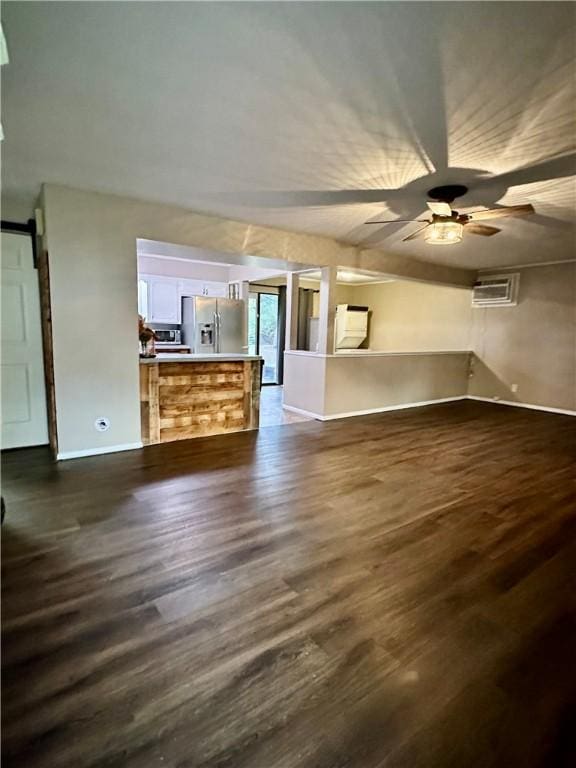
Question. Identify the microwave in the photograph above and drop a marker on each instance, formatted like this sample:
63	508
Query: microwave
168	337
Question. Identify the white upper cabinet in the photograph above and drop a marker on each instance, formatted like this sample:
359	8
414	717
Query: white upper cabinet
143	298
160	298
219	290
190	287
163	300
203	288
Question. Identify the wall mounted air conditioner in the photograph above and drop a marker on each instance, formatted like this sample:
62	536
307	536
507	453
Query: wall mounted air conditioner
496	291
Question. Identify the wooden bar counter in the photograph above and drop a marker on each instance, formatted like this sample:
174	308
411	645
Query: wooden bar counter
198	395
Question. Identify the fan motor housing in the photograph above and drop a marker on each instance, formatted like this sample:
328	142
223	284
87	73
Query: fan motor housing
461	218
447	193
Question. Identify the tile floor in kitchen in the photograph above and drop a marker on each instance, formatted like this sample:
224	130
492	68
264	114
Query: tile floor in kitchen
271	412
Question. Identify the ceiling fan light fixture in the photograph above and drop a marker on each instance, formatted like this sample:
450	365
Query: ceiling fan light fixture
444	233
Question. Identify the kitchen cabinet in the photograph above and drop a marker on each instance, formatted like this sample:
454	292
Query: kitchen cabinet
190	288
217	290
143	298
160	298
203	288
163	300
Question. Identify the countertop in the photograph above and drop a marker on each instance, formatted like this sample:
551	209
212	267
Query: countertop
166	346
219	357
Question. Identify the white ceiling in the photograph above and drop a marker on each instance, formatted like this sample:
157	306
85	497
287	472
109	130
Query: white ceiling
243	109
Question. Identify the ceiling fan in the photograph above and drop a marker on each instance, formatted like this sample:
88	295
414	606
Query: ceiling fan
447	226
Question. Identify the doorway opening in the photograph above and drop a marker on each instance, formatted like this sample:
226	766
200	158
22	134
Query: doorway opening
264	333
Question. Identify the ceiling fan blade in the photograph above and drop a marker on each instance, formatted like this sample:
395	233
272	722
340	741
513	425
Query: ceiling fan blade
555	168
497	213
416	234
440	209
396	221
482	229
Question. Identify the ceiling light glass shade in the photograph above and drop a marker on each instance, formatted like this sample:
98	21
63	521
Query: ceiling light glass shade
444	233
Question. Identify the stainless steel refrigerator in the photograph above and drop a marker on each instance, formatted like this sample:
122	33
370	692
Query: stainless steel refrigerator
211	326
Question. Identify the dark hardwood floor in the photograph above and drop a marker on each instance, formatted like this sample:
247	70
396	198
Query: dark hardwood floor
381	592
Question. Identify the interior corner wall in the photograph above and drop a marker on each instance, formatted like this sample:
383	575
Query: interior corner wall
531	345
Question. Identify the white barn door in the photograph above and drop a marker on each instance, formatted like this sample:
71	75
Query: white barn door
23	411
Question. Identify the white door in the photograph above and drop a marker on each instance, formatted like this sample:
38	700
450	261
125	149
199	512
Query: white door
23	412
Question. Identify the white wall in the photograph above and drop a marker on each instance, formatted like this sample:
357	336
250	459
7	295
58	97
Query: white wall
408	316
14	209
200	270
330	386
305	381
251	274
149	265
373	382
531	345
93	282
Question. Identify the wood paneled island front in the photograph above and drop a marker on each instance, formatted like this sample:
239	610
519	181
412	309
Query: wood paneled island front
198	395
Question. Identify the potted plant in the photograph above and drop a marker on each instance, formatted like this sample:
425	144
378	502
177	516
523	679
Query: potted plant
147	337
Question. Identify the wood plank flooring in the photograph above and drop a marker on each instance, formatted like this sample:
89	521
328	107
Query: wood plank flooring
392	591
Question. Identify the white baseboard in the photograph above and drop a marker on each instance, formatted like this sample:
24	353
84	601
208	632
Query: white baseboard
367	412
399	407
302	412
97	451
402	406
545	408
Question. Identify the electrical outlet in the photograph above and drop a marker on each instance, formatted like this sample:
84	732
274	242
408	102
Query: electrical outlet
102	424
513	387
